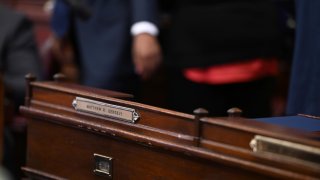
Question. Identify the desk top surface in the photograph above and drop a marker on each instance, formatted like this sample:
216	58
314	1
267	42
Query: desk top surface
302	122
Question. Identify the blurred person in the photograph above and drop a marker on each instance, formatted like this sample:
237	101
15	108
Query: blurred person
223	54
18	57
18	53
304	97
114	42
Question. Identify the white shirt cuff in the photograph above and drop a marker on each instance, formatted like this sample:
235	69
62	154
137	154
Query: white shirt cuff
144	27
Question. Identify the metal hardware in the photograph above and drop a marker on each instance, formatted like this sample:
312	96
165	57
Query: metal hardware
294	151
103	165
105	109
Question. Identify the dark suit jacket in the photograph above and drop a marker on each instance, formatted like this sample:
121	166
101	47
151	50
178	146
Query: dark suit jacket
18	54
210	32
104	41
304	91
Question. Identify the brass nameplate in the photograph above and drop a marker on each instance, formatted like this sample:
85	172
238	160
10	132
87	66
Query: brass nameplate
105	109
295	151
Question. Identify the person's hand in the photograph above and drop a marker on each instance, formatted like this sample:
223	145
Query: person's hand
62	51
146	54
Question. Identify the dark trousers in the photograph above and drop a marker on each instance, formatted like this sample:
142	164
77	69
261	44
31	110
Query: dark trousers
254	98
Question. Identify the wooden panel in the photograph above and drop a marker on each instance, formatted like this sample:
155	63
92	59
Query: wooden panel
36	174
162	144
178	122
130	160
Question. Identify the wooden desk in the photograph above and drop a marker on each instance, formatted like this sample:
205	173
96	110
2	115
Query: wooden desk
76	132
